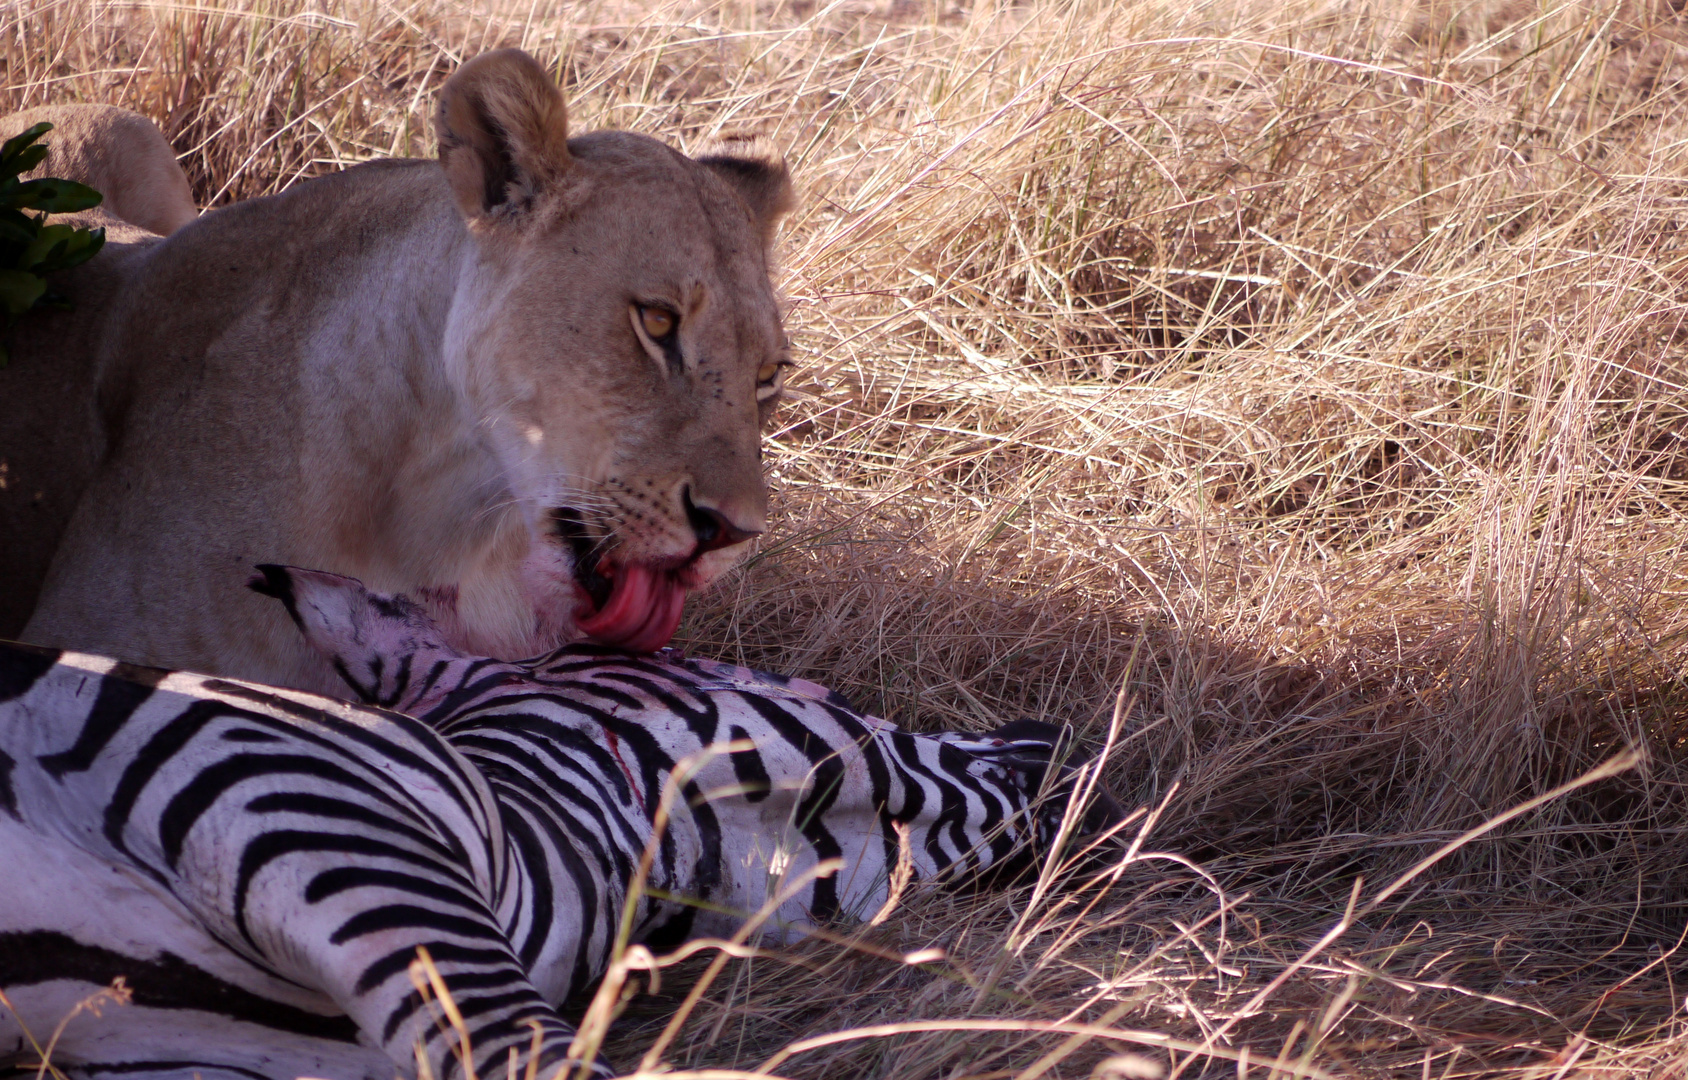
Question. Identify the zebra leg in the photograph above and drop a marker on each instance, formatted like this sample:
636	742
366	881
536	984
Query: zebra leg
72	923
305	843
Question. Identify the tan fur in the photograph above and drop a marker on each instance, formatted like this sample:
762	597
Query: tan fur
399	371
117	153
50	438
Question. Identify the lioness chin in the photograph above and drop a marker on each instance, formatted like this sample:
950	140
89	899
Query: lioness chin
525	382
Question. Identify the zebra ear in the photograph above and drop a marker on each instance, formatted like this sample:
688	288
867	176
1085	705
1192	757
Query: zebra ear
374	642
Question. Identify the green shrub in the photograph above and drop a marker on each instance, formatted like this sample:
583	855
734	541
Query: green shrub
30	249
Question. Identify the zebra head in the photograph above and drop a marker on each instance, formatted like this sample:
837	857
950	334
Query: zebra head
1046	761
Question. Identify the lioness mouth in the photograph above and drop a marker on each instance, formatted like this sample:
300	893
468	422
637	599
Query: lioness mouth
567	523
635	607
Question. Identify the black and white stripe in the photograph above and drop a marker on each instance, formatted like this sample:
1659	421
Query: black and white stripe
262	865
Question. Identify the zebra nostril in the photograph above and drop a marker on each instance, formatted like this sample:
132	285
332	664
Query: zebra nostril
712	528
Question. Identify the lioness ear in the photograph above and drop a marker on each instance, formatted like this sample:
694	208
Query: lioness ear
503	132
757	171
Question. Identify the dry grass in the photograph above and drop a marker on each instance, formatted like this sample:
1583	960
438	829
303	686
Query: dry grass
1332	355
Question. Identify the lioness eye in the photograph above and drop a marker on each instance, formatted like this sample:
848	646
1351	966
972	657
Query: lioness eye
766	373
657	322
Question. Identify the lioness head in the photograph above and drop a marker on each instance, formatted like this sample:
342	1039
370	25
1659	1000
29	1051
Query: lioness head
620	347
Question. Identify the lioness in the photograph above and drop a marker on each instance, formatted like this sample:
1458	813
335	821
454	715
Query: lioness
525	382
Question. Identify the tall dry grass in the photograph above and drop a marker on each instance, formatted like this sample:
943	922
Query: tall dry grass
1329	358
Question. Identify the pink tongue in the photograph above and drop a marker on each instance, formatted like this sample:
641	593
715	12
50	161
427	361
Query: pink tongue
643	610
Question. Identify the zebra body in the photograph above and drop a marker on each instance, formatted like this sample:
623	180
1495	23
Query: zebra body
263	864
149	819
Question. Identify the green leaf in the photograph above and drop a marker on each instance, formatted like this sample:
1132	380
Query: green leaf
15	228
60	247
23	162
55	196
30	248
19	142
19	289
86	244
38	250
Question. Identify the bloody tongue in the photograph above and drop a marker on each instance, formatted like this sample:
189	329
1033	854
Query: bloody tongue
643	610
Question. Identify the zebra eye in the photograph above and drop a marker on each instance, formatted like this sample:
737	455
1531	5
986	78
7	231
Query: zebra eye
657	322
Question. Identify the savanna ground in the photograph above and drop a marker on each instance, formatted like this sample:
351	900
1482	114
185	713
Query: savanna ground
1314	372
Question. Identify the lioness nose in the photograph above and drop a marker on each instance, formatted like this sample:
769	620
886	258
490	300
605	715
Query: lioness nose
713	528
